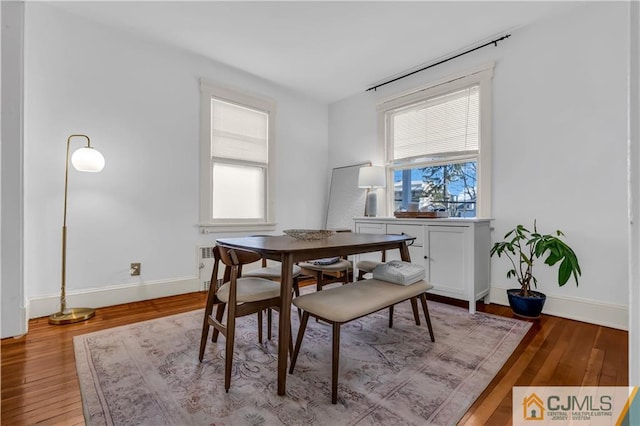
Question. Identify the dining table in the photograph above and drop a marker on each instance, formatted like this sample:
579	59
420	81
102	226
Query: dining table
289	250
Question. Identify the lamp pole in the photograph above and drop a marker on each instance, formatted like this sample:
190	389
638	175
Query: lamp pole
85	159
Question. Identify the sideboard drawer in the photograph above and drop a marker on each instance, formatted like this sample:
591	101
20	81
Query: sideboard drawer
371	228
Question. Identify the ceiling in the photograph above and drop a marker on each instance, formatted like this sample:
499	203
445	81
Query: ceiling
326	50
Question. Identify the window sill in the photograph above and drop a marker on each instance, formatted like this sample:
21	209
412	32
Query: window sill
236	227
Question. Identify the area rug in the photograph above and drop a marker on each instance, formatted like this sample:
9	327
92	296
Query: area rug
149	373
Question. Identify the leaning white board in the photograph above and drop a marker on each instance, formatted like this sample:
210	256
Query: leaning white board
346	200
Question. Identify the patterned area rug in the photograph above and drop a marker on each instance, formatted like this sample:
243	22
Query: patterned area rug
148	372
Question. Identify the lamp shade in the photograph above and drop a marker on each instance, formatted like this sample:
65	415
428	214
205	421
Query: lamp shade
371	177
87	160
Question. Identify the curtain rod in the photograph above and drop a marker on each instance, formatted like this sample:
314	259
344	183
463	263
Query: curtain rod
494	42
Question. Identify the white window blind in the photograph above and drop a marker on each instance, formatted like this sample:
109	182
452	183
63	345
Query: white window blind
239	133
237	145
439	126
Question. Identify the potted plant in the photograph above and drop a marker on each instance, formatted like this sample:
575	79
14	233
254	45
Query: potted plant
523	248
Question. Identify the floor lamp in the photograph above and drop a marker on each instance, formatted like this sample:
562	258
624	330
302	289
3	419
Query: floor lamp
85	159
371	178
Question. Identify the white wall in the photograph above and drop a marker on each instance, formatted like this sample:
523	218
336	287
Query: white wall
13	316
139	103
559	148
634	191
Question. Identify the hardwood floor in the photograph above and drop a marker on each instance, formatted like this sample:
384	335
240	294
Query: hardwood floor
39	383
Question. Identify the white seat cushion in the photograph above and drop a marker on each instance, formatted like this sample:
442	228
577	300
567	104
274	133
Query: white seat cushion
250	290
340	265
351	301
270	272
367	265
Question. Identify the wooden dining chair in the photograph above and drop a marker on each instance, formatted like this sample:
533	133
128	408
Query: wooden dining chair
326	274
338	271
274	273
243	296
367	266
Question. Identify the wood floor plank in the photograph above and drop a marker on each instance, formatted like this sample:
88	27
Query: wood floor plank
571	368
55	391
49	412
594	368
63	420
24	389
501	416
40	385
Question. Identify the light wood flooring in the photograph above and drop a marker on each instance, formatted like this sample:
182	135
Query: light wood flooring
40	386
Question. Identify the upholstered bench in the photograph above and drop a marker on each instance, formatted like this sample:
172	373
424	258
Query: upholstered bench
352	301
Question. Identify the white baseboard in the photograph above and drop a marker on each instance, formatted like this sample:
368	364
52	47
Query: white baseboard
115	295
585	310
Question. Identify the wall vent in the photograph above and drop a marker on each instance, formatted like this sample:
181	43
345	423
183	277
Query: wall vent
206	252
205	265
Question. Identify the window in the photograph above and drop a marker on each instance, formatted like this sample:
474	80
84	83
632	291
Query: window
436	142
236	152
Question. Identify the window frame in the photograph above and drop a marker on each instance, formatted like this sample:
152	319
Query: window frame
481	76
209	90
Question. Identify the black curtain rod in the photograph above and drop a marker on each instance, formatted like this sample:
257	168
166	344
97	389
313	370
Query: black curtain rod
494	42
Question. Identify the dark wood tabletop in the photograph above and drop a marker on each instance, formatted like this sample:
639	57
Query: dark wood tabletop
289	250
340	244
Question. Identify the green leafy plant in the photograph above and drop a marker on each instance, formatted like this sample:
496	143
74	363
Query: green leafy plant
522	247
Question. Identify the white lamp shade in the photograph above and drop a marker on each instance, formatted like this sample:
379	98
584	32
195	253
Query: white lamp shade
87	160
371	177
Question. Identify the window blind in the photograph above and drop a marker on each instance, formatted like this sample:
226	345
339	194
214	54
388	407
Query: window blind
238	132
442	125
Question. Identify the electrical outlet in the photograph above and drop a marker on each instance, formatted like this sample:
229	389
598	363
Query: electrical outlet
135	269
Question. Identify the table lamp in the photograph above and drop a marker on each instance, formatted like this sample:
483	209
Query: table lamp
371	178
86	159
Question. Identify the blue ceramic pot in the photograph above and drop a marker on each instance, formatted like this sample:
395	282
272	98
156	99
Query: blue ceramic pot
528	307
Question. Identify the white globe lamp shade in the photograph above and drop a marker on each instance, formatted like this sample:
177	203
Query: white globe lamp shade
87	160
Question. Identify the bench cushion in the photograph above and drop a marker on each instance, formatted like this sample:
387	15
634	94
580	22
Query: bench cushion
351	301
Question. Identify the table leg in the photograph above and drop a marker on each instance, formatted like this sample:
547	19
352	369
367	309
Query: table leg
404	253
284	326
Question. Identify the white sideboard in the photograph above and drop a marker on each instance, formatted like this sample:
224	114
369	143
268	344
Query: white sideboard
453	251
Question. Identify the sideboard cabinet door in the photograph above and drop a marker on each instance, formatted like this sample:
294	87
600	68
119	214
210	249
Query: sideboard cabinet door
446	263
